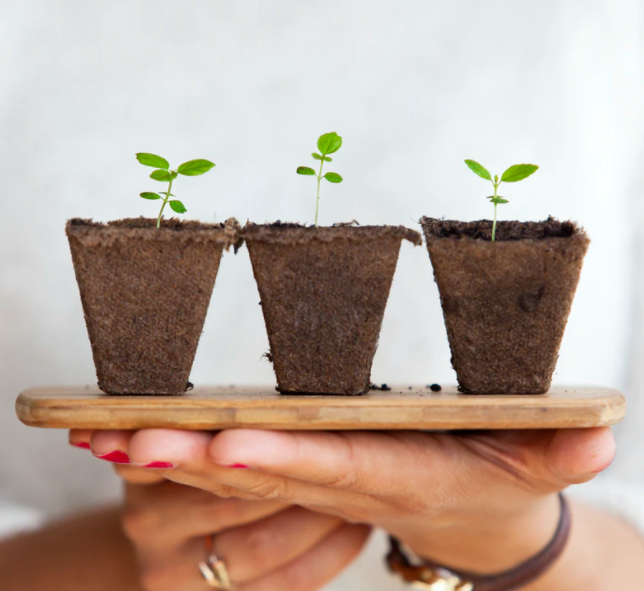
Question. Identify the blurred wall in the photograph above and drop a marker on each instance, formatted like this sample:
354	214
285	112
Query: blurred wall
413	86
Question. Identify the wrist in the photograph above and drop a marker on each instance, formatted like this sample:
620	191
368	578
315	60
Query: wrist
490	543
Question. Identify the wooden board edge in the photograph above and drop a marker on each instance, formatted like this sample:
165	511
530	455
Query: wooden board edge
33	413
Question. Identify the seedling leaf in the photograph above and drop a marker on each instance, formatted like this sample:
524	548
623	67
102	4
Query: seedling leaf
316	156
152	160
515	173
305	170
151	196
195	167
333	177
177	206
479	169
329	143
163	175
518	172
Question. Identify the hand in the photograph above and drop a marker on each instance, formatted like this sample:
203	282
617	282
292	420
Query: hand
267	545
480	501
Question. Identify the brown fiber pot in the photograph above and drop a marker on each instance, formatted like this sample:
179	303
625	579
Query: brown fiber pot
505	303
323	294
145	292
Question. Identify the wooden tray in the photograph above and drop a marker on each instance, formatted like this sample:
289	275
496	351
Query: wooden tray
403	407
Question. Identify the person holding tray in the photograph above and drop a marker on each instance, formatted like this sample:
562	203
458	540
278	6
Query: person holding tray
264	510
413	87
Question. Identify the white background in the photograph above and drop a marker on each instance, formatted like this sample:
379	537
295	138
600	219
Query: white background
413	87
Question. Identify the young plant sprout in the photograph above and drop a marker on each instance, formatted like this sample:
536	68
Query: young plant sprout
515	173
327	144
165	175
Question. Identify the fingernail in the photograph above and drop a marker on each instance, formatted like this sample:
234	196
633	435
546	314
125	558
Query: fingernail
81	444
158	465
240	466
116	457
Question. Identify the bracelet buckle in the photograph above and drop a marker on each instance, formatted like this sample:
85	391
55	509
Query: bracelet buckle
440	580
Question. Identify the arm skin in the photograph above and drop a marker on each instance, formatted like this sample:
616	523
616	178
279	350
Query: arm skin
604	553
88	552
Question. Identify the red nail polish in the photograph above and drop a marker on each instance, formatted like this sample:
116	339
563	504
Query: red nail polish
81	444
241	466
159	465
116	457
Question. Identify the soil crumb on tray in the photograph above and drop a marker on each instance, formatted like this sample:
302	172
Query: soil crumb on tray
382	387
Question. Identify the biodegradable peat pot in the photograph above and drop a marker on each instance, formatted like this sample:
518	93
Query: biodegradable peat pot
323	294
145	292
505	303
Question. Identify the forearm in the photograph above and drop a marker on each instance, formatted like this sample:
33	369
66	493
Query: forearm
603	552
86	552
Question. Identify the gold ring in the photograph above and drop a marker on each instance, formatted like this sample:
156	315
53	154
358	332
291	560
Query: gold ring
214	569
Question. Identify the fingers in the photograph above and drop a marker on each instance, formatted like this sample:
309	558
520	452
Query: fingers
169	548
372	463
111	446
188	453
80	438
309	568
165	450
259	548
164	517
323	563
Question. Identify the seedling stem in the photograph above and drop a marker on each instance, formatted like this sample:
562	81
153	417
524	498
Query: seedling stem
327	144
495	201
167	196
317	200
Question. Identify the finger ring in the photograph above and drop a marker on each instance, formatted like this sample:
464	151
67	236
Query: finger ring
213	569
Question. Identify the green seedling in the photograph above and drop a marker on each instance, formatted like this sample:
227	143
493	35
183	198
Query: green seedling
515	173
163	174
327	144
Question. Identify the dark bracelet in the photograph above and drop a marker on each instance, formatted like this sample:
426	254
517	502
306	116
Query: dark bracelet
433	577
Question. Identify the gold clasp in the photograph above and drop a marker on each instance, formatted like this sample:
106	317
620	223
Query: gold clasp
431	580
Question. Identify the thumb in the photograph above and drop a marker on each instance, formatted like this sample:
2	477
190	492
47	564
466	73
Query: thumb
578	455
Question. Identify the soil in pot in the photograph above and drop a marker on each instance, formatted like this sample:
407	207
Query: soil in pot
323	294
145	292
505	303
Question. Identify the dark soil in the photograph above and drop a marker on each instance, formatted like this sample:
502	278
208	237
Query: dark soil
506	303
145	293
323	294
482	229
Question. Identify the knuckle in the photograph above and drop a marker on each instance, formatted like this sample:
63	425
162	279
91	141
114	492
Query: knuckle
272	490
220	490
350	458
346	480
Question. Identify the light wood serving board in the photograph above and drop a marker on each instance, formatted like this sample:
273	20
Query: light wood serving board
404	407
